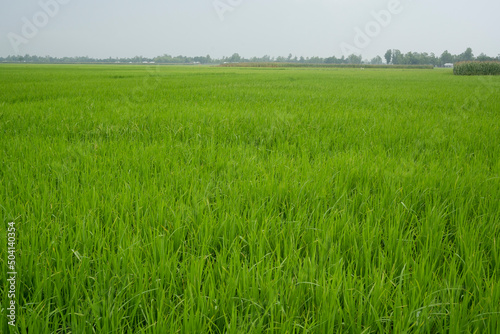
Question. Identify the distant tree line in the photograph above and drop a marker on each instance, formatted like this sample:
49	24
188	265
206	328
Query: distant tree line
394	57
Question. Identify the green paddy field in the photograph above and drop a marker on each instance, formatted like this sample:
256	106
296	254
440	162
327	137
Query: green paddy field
157	199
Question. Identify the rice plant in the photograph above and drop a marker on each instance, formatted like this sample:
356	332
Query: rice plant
250	200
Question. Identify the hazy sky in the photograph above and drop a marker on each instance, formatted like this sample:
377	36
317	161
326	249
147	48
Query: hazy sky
126	28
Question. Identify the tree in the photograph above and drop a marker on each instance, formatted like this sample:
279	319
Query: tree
376	61
315	60
413	58
446	57
397	57
388	57
467	55
433	59
332	60
353	59
483	57
408	58
235	58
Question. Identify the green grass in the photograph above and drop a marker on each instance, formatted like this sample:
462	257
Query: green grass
247	200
